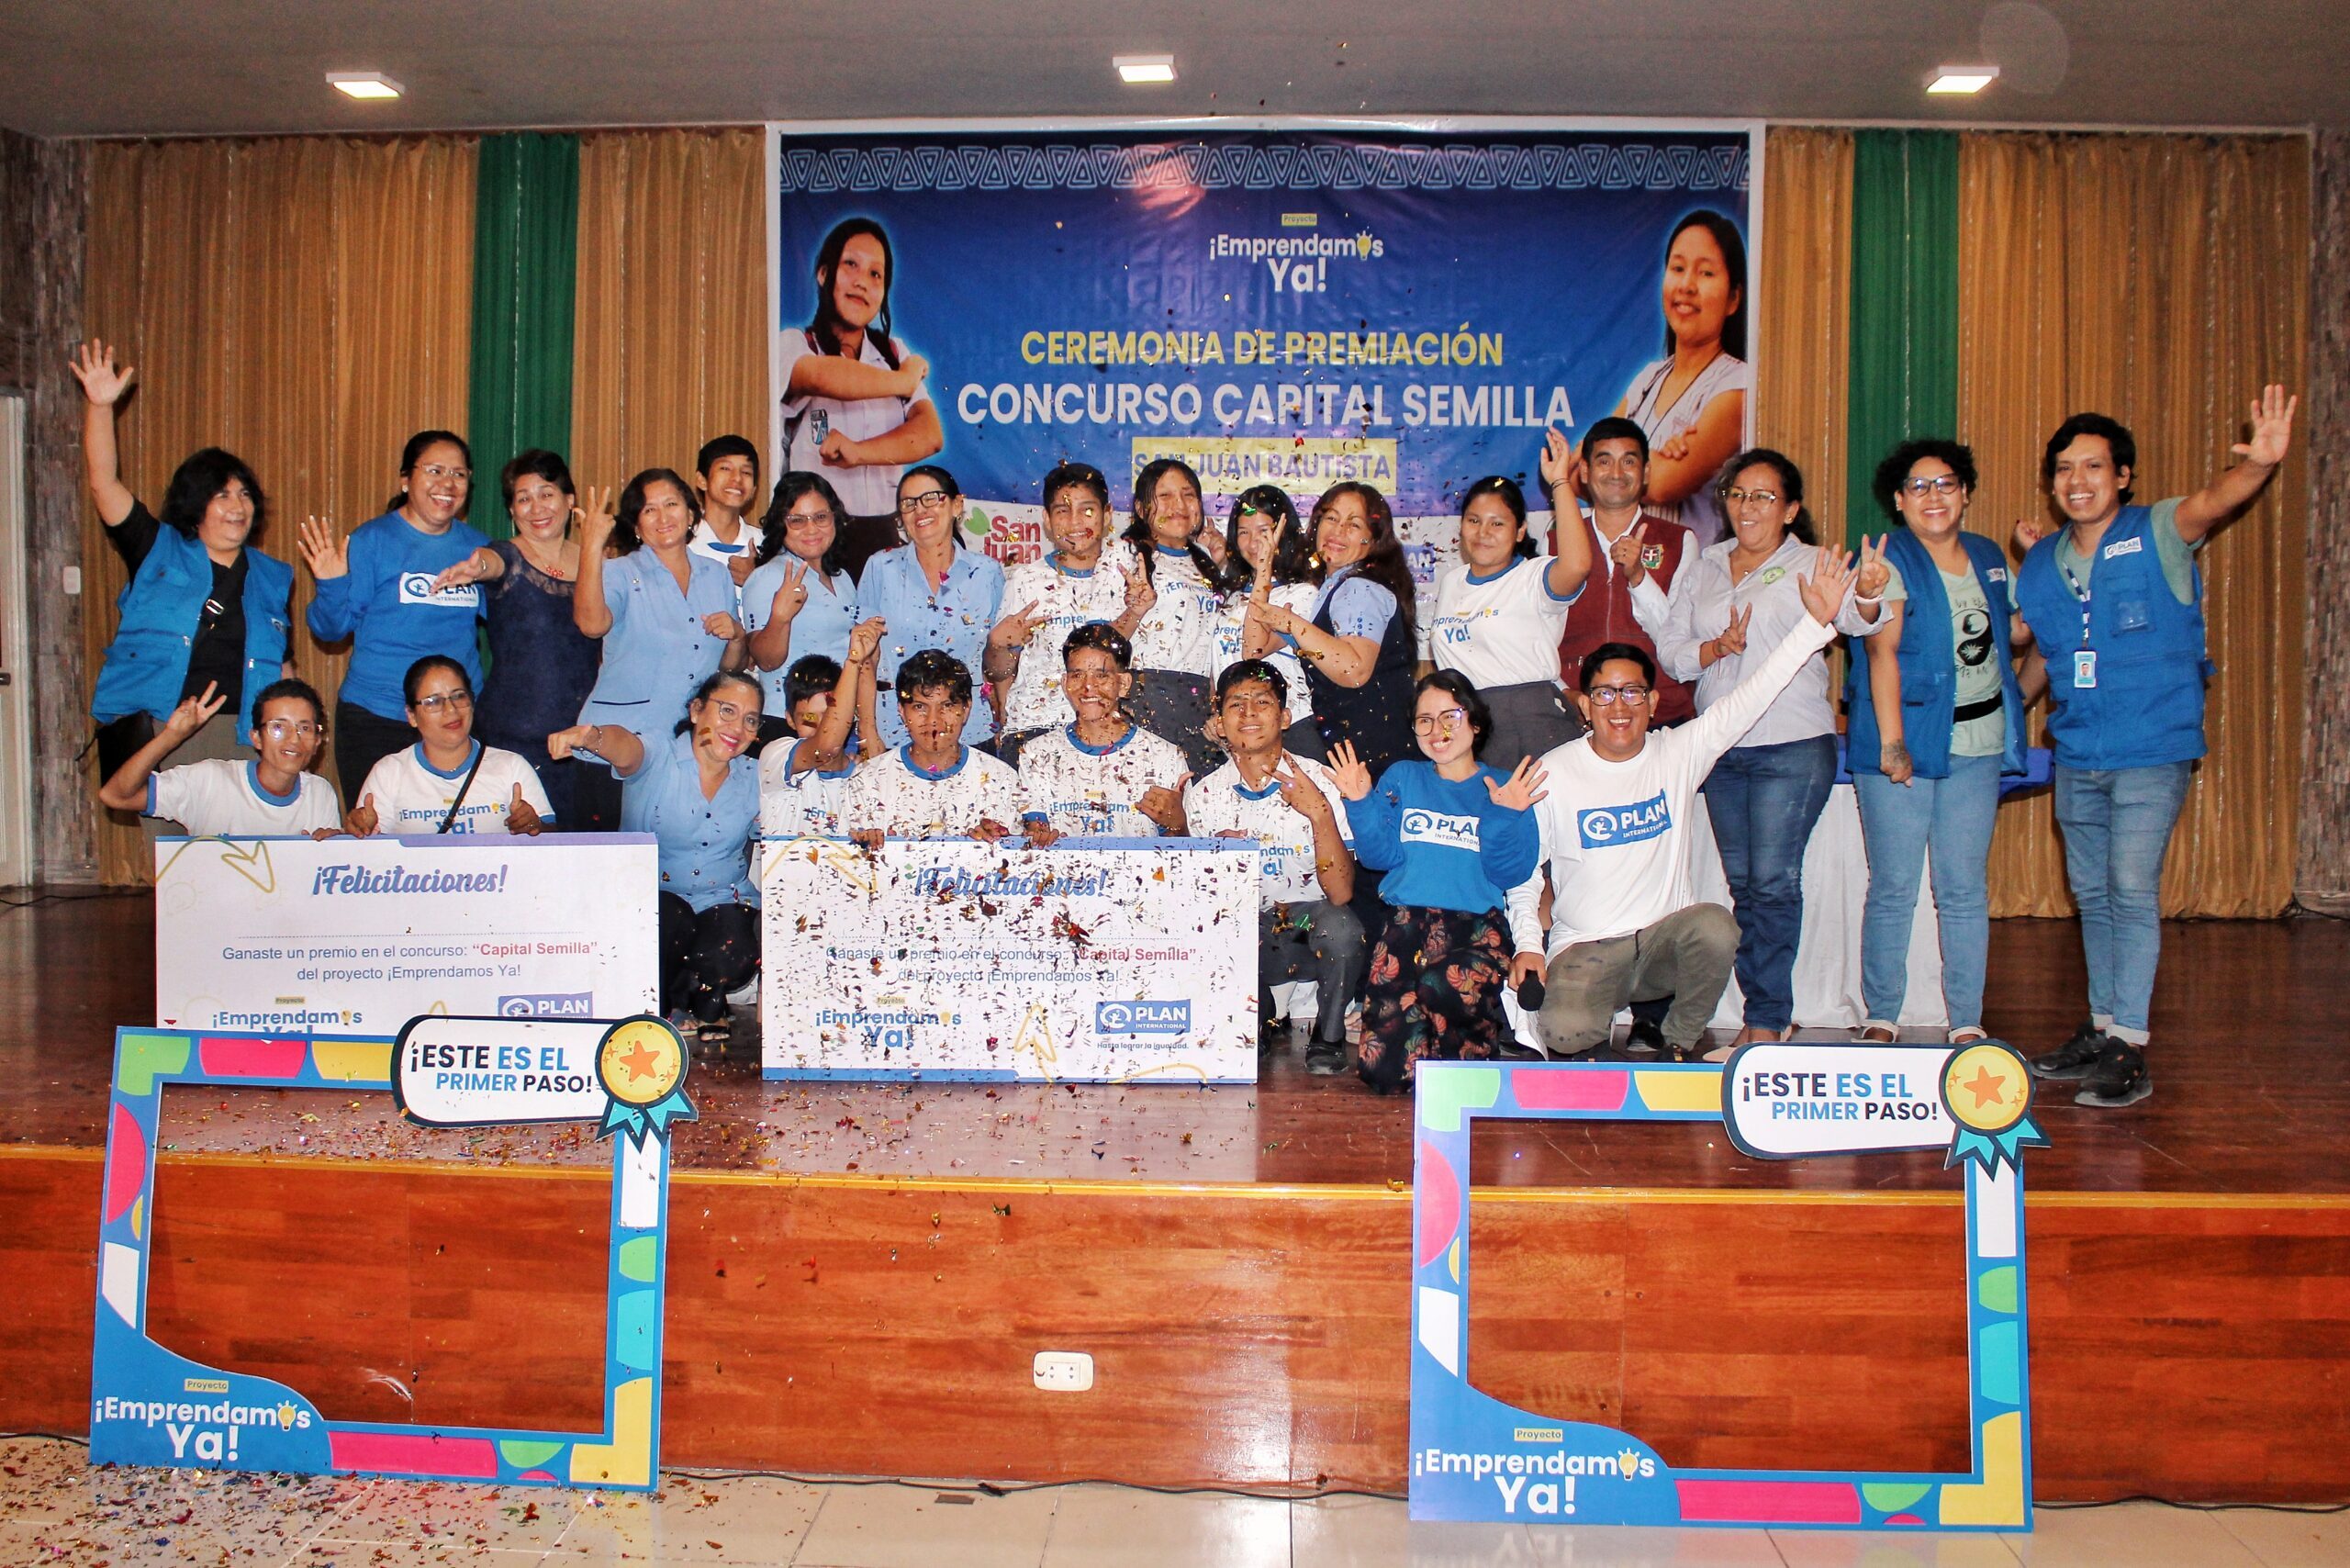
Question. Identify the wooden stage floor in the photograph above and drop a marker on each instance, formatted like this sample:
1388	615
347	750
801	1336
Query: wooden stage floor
2252	1092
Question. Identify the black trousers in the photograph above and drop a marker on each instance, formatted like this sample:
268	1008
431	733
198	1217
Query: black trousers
595	800
362	740
1322	941
705	954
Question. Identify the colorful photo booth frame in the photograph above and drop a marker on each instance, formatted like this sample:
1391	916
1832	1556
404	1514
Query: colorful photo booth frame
1475	1458
152	1406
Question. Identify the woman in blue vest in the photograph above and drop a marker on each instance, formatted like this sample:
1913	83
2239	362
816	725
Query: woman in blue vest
1940	721
1357	643
202	607
2115	604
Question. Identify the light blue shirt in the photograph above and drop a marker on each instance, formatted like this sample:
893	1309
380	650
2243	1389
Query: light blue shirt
821	626
1359	607
957	619
657	650
386	605
705	844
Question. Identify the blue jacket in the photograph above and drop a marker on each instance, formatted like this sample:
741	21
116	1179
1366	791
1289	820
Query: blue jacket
146	665
2146	706
1928	658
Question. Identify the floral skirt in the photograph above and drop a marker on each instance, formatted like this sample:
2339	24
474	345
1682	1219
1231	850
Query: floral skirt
1436	976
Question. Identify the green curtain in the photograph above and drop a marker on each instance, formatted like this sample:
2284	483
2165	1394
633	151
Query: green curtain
526	254
1904	379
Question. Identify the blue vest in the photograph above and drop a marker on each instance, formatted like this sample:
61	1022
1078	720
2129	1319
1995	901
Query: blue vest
1929	658
2146	708
146	665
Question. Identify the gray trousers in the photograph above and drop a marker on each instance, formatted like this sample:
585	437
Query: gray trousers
1687	955
1322	941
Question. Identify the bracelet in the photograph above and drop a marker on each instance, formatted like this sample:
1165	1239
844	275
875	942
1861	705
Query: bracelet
1868	598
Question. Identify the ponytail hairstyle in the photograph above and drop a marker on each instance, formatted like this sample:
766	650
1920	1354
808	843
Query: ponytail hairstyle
1293	550
624	539
418	445
1138	531
1790	486
1384	563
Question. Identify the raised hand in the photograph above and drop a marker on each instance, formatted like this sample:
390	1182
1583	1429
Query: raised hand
1140	595
2272	428
865	640
1560	464
194	713
1163	803
2027	532
1525	790
1626	554
1874	570
1014	631
359	820
522	816
1823	591
790	593
596	520
1298	792
93	366
327	551
1348	772
722	624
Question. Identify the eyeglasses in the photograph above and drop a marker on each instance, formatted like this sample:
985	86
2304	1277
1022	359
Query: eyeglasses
800	518
1630	696
725	712
1940	485
451	700
929	500
434	471
297	729
1428	724
1760	498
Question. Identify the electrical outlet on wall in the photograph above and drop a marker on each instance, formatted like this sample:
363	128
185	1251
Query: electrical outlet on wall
1063	1371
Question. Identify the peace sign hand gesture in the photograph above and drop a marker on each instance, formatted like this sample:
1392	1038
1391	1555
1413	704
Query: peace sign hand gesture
1348	772
93	366
1140	595
1732	638
1014	631
1298	792
327	552
1874	570
790	593
2272	428
194	713
1524	791
596	520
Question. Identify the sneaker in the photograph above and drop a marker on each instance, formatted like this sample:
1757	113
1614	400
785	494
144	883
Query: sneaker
1325	1058
2074	1057
2118	1079
1646	1037
1514	1050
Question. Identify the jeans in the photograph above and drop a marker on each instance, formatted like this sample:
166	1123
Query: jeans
2117	825
1899	822
1763	800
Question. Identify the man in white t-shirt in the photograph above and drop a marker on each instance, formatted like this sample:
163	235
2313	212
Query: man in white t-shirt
1625	921
726	471
1306	864
934	786
274	795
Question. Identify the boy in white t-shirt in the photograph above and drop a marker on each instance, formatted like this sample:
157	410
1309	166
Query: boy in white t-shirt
803	781
726	471
274	795
1104	775
934	786
1306	866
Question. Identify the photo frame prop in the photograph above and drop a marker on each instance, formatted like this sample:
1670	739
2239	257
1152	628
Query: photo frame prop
1475	1457
152	1406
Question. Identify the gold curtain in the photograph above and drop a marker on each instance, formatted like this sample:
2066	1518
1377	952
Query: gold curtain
1805	290
671	329
2162	280
306	303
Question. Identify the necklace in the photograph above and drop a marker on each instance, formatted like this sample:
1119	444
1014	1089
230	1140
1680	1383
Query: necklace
553	569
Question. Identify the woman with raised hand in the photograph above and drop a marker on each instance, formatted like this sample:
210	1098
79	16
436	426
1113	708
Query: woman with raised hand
1454	836
1767	792
664	614
798	600
448	781
203	610
696	790
377	588
1501	612
1070	586
1173	594
932	593
1267	562
542	666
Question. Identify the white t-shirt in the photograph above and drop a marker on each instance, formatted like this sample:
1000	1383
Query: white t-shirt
1067	600
411	795
1086	793
1611	831
1702	513
807	804
1286	872
1225	643
1175	634
1499	631
870	491
889	793
704	543
224	798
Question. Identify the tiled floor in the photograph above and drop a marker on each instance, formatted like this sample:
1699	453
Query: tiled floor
55	1509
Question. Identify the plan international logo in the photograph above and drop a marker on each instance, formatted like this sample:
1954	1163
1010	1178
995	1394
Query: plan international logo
1603	827
1143	1017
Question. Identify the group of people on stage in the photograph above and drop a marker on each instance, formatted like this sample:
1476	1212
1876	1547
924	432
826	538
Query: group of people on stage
1504	812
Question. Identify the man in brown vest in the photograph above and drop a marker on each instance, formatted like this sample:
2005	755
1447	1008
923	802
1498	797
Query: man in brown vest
1612	471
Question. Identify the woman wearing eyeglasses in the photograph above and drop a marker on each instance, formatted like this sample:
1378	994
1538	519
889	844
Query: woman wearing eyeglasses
1267	564
1453	837
930	592
696	793
377	587
1767	792
1940	721
799	600
448	781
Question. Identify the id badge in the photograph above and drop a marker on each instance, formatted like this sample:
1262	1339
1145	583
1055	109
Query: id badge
2084	668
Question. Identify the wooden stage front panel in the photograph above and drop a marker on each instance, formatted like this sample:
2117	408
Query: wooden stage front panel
2188	1347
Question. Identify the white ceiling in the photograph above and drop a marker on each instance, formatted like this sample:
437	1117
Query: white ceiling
163	67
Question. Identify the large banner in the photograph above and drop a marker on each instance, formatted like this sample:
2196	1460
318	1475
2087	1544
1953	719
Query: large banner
289	936
1109	961
1289	305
